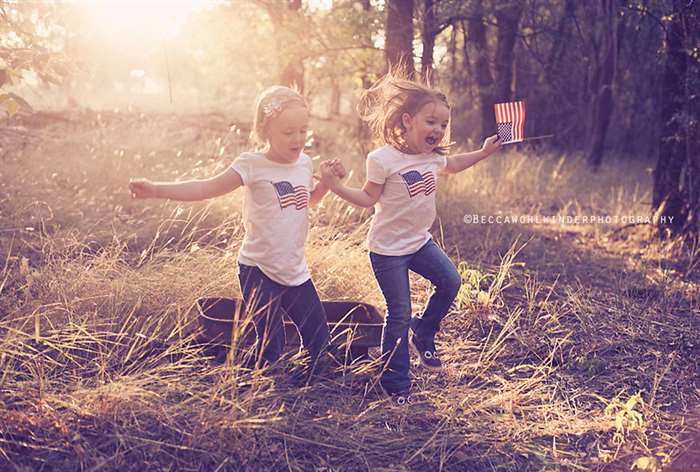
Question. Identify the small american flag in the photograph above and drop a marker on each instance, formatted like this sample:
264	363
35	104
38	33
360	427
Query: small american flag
417	182
289	195
510	119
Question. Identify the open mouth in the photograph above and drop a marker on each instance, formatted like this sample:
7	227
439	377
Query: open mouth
431	140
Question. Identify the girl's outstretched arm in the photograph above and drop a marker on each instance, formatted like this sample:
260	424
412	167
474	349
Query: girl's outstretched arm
460	162
187	191
364	197
317	194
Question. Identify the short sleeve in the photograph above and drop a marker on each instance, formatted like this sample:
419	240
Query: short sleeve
375	170
244	166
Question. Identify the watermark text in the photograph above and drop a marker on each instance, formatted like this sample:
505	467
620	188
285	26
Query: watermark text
506	219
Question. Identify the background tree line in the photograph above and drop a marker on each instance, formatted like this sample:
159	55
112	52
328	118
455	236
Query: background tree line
608	78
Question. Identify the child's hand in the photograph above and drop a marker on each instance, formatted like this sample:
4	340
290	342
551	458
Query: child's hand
328	174
491	144
339	169
142	188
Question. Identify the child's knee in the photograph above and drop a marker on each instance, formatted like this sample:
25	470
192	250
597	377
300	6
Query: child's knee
398	316
451	284
399	309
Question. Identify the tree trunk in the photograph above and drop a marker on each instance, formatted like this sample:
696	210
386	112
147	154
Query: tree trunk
692	24
467	81
452	51
668	200
364	135
507	17
604	99
336	95
484	80
561	38
285	19
398	48
293	72
429	33
293	75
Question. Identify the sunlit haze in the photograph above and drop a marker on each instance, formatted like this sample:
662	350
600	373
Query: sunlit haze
161	18
155	17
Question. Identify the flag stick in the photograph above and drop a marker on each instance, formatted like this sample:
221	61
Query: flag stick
531	139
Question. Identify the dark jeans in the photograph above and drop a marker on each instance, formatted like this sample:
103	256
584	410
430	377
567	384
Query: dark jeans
269	300
392	276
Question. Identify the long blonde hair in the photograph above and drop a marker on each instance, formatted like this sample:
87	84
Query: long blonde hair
383	105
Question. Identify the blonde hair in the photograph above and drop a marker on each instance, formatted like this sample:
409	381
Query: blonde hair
383	105
271	102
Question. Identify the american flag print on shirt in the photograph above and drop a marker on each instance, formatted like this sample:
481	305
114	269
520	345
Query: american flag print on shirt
288	195
510	119
417	183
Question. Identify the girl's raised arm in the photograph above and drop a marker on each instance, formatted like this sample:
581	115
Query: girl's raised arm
189	190
460	162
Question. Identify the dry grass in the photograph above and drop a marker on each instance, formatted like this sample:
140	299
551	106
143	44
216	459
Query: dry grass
570	346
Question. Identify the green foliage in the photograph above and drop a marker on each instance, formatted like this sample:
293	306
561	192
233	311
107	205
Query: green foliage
31	43
588	365
655	463
12	101
627	417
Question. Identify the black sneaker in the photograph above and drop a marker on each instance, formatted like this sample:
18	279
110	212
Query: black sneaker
399	398
426	351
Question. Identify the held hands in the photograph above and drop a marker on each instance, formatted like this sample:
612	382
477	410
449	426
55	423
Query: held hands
339	169
332	172
491	144
142	188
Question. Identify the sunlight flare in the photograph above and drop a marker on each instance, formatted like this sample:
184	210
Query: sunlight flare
153	17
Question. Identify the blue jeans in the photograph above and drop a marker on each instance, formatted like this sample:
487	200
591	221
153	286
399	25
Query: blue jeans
268	302
392	276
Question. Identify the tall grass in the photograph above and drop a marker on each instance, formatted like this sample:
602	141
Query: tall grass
567	348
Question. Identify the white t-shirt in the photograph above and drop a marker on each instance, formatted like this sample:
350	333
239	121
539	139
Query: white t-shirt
405	210
275	215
